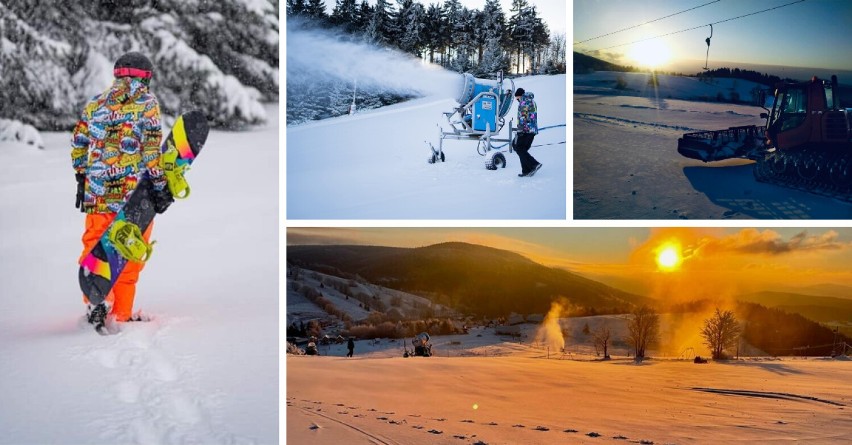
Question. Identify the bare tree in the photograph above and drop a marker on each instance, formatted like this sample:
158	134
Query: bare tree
602	336
643	329
721	332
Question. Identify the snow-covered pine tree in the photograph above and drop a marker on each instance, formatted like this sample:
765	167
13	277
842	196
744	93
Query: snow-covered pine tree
452	15
379	26
219	57
345	15
520	30
315	9
463	38
363	15
493	36
539	39
434	32
296	7
410	24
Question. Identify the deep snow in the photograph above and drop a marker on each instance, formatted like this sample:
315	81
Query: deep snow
205	370
626	164
373	165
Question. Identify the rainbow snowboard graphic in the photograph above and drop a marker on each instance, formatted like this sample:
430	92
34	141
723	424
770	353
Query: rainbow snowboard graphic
101	267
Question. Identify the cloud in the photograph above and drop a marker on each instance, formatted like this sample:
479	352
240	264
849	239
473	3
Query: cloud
770	242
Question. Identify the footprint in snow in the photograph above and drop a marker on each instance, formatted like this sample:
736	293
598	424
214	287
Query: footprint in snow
593	434
542	428
128	392
436	432
184	410
518	425
467	421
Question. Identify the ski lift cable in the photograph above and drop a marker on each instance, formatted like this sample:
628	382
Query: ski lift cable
650	21
701	26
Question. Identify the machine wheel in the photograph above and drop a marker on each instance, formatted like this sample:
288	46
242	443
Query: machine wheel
435	158
497	161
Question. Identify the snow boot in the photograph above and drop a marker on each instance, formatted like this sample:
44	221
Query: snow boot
535	169
97	317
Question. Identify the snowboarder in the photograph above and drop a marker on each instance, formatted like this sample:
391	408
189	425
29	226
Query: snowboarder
351	346
114	145
527	129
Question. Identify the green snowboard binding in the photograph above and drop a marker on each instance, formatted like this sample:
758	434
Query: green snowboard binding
174	173
128	241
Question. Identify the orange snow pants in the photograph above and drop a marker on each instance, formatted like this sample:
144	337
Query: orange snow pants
124	291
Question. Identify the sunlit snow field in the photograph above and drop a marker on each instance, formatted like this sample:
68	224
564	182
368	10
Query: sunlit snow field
626	164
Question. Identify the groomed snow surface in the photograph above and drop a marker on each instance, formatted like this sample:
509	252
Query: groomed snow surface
205	370
373	165
486	389
626	164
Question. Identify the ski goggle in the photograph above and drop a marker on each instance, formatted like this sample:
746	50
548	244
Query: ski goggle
132	72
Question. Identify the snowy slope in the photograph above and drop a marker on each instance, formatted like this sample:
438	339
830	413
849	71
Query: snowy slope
626	164
205	370
518	399
373	165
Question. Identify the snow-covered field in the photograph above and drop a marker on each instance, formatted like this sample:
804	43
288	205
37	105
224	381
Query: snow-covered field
481	388
205	370
626	164
373	165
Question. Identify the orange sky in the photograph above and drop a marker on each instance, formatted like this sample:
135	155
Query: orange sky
715	261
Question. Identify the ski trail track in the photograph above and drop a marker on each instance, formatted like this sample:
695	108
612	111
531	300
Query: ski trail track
149	395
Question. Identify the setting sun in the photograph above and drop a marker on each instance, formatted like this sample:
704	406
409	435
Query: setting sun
668	257
650	53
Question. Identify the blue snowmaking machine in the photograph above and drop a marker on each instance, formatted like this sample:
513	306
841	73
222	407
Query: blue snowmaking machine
480	116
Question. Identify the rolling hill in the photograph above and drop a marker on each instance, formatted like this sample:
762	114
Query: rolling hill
471	278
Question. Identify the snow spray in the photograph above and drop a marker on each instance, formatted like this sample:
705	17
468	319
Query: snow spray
317	55
550	332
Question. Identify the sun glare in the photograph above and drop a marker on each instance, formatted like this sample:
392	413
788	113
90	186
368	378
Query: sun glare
669	257
650	53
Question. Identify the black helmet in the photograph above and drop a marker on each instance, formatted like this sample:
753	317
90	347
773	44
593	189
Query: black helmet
133	64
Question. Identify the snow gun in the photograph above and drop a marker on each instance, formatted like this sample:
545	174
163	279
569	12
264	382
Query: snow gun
480	116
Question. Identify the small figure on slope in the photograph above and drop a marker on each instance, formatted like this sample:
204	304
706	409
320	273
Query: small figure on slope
527	129
351	346
114	145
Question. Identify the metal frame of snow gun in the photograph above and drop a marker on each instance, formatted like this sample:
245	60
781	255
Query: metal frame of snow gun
480	117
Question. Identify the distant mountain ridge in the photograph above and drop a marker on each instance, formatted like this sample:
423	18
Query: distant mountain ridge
473	278
817	308
584	64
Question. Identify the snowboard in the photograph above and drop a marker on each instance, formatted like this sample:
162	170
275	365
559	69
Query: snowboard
122	241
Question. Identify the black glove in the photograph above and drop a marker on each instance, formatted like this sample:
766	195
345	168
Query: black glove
162	199
81	185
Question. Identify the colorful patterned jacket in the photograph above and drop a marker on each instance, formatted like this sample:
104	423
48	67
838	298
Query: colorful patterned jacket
117	142
527	114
